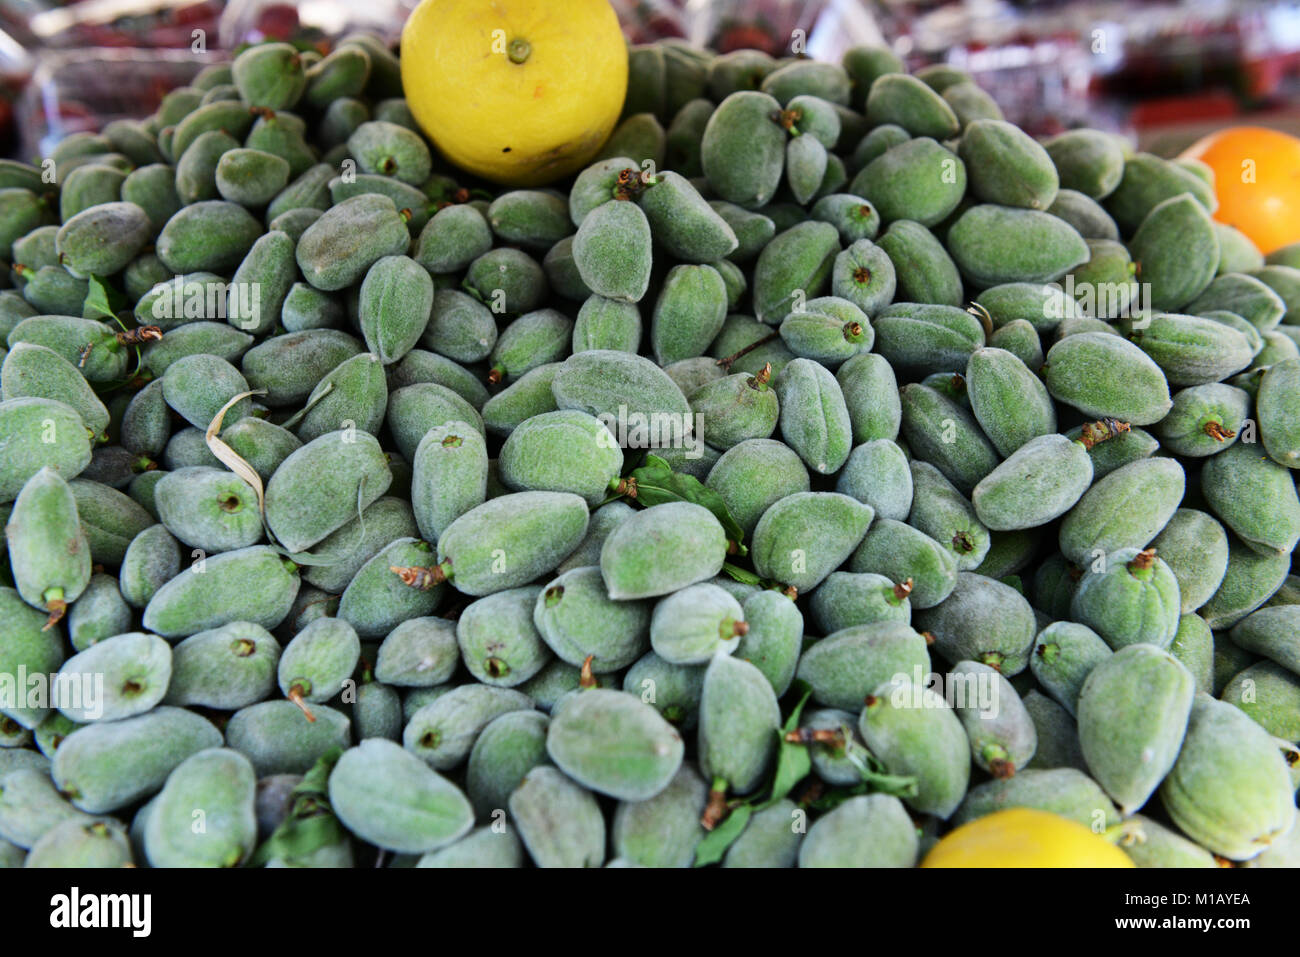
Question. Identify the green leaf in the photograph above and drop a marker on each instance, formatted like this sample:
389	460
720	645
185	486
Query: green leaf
834	798
793	763
310	824
875	776
104	301
715	843
657	483
874	781
743	575
316	781
655	473
299	837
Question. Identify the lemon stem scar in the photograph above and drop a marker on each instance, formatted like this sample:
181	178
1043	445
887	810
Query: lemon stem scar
519	50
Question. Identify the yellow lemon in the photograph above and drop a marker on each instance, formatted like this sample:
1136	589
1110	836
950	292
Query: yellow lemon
1024	837
521	92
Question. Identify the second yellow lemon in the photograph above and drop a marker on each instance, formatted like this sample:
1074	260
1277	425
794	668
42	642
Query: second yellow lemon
1022	837
521	92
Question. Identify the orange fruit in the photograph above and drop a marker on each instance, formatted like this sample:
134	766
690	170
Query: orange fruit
1257	180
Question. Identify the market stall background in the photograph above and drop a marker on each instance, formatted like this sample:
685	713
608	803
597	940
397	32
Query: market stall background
1163	73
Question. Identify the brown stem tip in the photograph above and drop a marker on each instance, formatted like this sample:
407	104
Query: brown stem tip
587	679
786	119
903	589
1094	433
139	336
726	361
1142	560
296	696
628	184
826	736
1002	769
715	810
57	608
626	486
983	315
418	577
1216	431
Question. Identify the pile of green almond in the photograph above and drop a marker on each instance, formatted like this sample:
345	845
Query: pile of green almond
826	465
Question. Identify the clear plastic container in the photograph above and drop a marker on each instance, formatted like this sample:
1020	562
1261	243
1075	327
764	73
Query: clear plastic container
144	24
645	21
822	29
312	21
321	21
76	90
